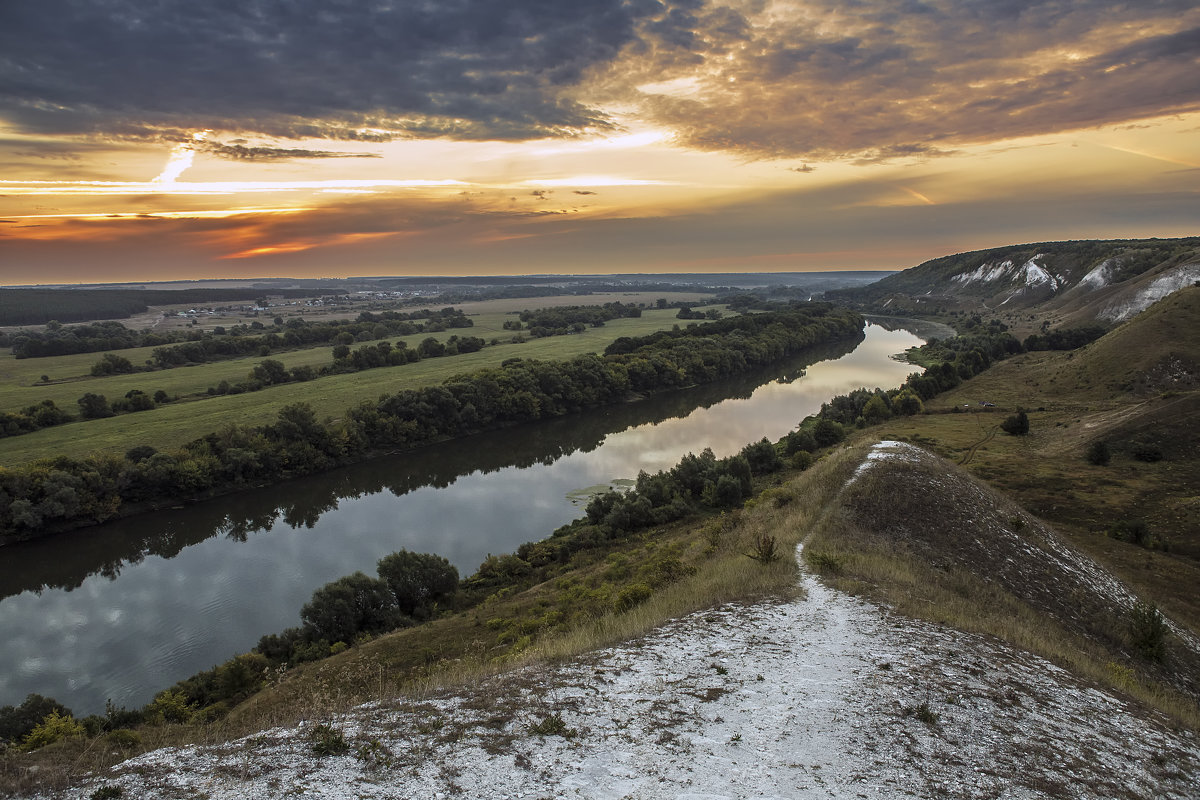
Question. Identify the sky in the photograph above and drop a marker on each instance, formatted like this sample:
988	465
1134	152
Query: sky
306	138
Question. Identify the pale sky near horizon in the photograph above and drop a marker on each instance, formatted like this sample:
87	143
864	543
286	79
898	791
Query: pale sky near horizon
254	138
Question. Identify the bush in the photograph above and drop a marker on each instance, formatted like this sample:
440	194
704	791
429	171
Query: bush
54	727
631	596
765	549
1016	425
553	725
94	406
1098	453
355	604
170	706
1148	632
327	741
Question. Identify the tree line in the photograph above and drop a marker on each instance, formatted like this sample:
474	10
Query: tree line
177	347
66	491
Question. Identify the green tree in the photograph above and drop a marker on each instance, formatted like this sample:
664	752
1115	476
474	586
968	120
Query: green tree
907	403
355	604
417	580
94	406
876	410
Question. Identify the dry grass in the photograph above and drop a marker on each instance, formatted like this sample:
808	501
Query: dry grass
918	559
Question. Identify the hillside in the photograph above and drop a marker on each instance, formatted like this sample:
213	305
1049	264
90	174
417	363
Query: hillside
814	696
974	613
1060	283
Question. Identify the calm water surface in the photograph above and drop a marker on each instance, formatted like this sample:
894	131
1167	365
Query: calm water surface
124	610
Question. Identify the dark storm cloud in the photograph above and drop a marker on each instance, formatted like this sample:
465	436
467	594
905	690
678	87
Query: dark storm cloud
468	68
878	80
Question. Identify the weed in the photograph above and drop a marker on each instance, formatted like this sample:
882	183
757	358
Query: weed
720	670
737	737
923	713
374	754
553	725
107	792
327	741
823	562
765	549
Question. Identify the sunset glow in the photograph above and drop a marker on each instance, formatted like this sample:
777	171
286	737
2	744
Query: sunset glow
719	136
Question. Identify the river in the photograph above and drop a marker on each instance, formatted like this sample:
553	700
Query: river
120	611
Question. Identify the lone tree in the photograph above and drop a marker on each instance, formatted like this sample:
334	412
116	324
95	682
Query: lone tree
1017	424
94	406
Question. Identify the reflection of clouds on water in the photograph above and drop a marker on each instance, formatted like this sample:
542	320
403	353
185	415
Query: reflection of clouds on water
164	619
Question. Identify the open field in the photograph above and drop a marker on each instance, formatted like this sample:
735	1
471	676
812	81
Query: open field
174	424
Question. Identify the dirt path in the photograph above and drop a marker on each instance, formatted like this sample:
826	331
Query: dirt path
820	697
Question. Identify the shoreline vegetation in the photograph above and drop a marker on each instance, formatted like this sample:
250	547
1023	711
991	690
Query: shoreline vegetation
65	493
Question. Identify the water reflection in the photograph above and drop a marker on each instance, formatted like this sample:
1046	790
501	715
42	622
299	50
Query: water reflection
121	610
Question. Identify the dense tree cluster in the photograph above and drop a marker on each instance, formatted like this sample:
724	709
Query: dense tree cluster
298	333
70	492
177	347
1064	338
32	418
571	319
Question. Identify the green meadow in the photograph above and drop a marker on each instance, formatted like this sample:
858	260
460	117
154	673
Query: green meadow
173	424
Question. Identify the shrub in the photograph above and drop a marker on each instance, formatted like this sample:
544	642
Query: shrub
1132	530
1098	453
764	549
1016	425
107	792
124	739
94	406
1146	451
631	596
327	741
170	706
53	728
1148	632
16	723
553	725
822	562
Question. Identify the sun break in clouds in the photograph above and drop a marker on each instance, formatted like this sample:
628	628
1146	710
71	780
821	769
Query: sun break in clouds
529	135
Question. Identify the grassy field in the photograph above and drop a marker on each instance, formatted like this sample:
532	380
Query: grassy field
174	424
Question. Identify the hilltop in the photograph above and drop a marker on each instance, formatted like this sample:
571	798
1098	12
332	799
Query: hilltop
1063	284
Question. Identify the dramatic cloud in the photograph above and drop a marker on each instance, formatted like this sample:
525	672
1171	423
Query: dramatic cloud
305	68
888	79
870	80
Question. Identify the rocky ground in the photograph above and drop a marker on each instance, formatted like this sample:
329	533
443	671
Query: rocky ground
824	696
